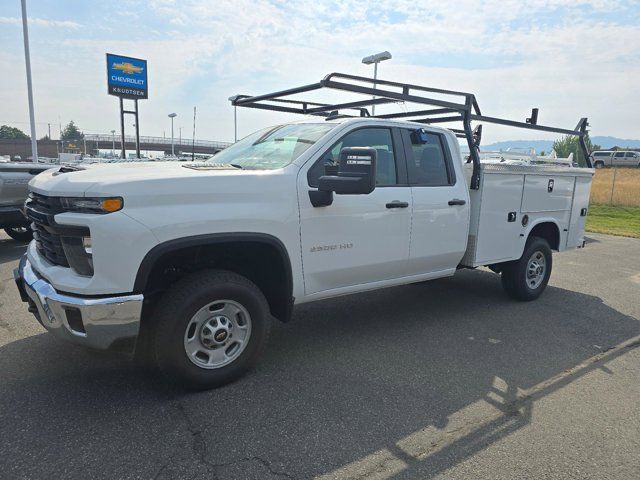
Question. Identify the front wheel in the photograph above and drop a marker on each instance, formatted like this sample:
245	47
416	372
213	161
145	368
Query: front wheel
21	234
525	279
210	328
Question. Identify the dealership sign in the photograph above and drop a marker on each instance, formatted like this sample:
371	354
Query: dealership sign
127	77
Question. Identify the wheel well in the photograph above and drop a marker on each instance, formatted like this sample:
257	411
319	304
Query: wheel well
549	231
264	261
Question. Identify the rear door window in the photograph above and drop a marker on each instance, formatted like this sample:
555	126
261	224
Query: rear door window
428	164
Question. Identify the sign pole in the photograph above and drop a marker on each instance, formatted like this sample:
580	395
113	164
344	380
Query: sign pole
122	151
137	131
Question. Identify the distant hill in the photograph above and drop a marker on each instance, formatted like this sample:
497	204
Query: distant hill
547	145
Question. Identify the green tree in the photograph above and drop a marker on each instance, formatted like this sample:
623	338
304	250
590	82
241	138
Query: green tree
11	133
571	144
71	132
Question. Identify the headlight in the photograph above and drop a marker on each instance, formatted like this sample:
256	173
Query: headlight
92	205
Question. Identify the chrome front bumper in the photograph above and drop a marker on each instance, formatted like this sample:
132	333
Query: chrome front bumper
102	323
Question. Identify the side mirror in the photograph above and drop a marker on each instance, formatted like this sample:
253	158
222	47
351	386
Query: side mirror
355	175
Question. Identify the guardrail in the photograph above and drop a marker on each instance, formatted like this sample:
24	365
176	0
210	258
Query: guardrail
156	140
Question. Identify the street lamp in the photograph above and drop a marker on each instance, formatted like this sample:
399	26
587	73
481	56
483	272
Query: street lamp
27	61
235	117
113	143
172	116
376	59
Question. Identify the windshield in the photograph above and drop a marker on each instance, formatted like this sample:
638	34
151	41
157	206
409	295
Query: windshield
272	148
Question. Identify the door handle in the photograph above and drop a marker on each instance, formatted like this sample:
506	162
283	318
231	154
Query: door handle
457	201
397	204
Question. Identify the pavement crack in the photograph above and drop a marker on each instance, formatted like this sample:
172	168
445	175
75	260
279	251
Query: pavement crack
198	443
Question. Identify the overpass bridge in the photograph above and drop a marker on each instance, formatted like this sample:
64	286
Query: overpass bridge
91	143
108	142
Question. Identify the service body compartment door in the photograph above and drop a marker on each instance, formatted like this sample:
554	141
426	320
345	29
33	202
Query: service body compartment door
547	193
499	223
579	211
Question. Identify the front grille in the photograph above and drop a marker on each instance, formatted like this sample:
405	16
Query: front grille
41	209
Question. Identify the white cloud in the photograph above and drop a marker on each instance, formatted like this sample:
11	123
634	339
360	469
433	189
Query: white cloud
40	22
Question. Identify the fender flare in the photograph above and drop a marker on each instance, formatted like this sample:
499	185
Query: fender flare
540	221
157	252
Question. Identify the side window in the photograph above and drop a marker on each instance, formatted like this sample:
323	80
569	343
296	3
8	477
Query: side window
619	154
378	138
428	164
631	155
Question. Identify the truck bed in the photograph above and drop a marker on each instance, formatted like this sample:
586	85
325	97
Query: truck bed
513	199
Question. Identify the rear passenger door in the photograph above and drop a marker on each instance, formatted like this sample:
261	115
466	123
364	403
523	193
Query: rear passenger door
631	159
440	214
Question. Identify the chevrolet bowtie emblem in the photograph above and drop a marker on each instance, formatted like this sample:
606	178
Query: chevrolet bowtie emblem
127	68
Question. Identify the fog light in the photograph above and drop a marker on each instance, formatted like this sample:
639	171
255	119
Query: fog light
86	243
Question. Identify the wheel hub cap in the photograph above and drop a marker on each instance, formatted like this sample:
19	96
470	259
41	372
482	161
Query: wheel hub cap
215	331
217	334
536	269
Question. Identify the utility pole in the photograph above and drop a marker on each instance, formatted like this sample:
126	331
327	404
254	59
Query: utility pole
27	61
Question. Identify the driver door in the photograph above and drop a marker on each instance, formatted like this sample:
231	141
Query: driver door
358	239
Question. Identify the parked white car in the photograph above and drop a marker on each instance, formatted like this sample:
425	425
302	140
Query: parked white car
192	261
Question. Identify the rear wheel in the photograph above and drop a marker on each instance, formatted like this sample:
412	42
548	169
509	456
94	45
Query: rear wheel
526	278
21	234
599	164
210	328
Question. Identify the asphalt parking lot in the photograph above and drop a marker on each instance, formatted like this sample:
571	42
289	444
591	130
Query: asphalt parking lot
447	379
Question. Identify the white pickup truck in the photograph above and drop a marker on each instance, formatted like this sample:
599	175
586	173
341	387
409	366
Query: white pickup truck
192	261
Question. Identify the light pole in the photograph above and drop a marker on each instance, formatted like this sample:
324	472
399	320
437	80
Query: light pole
27	61
113	143
376	59
235	117
173	151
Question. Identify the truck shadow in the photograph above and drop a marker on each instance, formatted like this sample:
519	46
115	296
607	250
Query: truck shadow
11	249
409	380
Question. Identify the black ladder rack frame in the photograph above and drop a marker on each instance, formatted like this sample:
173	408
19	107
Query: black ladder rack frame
462	107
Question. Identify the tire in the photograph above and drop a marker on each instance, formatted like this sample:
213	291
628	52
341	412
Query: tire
21	234
598	165
200	312
518	278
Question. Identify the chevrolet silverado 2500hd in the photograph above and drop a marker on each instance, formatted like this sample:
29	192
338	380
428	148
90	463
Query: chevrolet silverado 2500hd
193	260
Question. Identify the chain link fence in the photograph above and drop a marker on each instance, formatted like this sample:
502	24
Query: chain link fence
616	186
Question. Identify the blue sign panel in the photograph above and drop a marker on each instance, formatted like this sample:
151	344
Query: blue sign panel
127	77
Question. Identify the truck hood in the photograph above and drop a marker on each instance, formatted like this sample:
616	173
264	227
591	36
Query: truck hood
120	179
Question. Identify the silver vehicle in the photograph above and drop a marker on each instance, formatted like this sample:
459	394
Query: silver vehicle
615	158
14	178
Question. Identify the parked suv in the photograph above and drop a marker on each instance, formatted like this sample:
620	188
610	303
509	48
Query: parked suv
615	158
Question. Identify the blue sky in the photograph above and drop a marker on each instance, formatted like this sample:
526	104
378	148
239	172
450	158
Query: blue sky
570	58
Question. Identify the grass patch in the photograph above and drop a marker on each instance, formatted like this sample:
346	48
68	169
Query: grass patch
623	221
